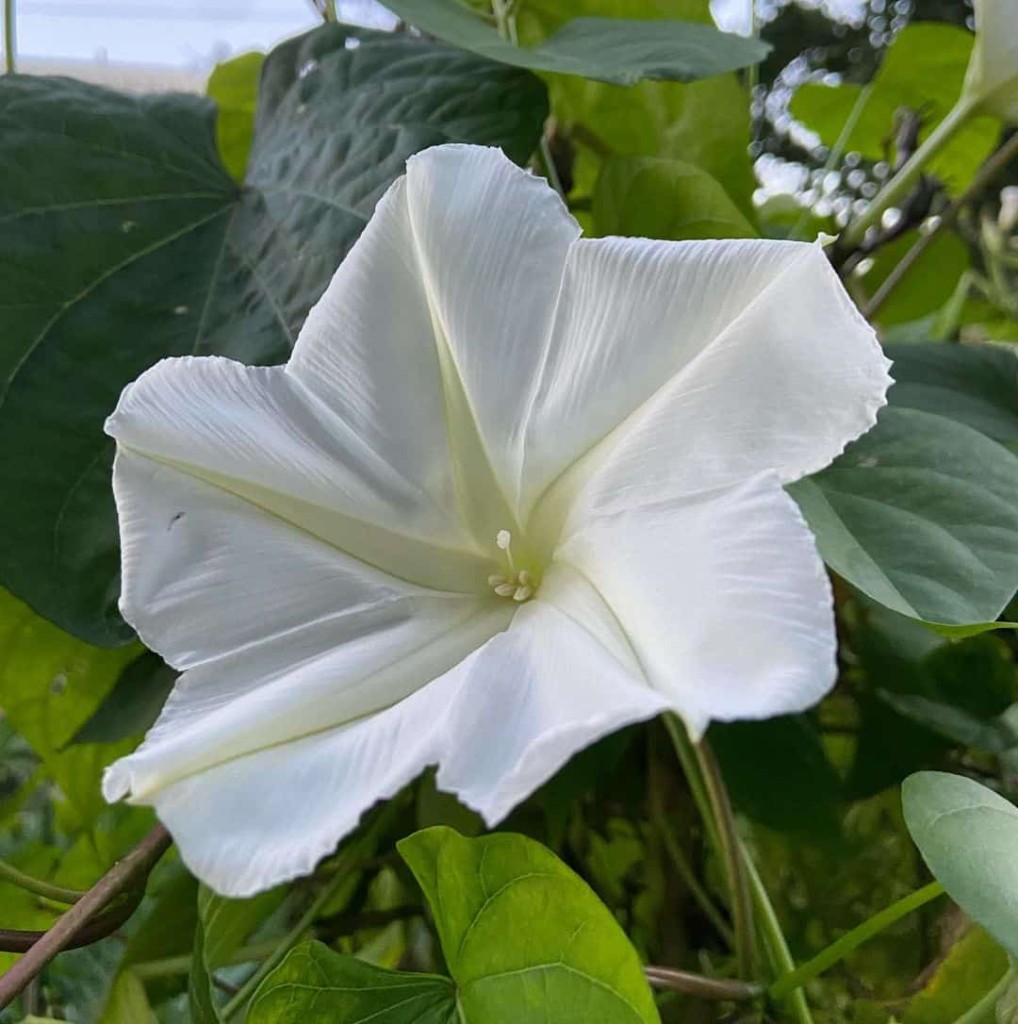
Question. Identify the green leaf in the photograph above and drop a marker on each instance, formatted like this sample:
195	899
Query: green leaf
128	1003
649	197
973	384
223	926
234	86
973	965
618	50
125	240
799	793
920	514
524	937
314	985
922	71
923	290
50	684
132	705
704	123
968	835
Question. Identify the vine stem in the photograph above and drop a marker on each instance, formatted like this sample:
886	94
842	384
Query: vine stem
711	798
990	169
36	886
838	950
703	987
10	46
774	937
902	182
126	875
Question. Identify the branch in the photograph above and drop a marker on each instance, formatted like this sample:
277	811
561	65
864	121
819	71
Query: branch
698	985
983	177
126	876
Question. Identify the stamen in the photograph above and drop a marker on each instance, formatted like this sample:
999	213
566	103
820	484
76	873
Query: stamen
522	593
519	585
506	590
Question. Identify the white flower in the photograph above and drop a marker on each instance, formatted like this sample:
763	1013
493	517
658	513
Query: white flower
991	81
513	491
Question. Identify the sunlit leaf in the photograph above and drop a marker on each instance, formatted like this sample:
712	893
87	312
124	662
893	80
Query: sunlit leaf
234	86
618	50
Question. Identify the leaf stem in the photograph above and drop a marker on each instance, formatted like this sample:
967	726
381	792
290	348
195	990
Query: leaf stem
701	986
10	41
774	938
990	169
902	182
9	873
851	940
708	789
125	876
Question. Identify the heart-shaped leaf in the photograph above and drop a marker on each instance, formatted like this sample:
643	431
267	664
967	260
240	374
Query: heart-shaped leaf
968	835
125	240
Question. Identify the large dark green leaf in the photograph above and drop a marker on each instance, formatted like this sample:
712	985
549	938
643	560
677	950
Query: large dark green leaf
523	936
920	514
973	384
124	240
314	985
619	50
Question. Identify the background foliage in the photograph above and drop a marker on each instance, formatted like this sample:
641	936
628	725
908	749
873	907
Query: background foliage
139	227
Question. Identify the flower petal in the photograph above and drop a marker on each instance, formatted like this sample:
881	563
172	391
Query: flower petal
280	635
498	725
256	432
684	366
441	314
723	597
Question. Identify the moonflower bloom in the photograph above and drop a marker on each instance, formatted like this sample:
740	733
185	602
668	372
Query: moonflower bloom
992	77
514	490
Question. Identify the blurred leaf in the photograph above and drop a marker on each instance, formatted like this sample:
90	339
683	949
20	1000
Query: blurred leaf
922	291
705	123
128	1003
647	197
132	705
618	50
50	684
523	936
923	71
799	793
971	968
223	927
974	384
919	514
314	985
127	241
968	835
233	84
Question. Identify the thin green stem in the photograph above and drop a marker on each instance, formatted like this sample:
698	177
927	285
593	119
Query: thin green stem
548	164
838	950
9	873
169	966
729	850
10	42
683	868
774	938
837	151
983	1011
349	858
691	769
984	176
900	185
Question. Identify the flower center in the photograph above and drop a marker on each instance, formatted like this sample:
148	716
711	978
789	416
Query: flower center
516	584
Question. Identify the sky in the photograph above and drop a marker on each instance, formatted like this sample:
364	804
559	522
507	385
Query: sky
195	34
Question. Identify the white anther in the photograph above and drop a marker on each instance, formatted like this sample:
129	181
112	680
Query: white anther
506	590
503	539
494	581
522	593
